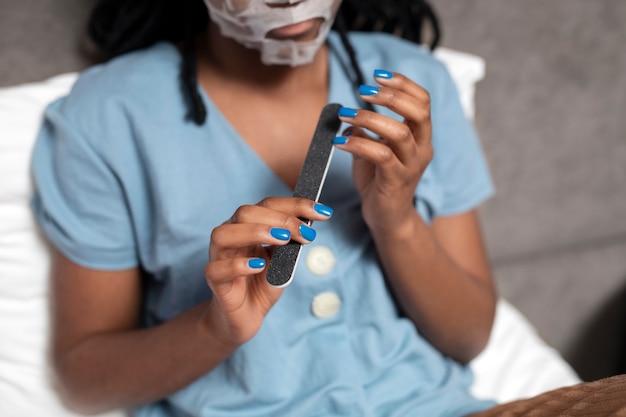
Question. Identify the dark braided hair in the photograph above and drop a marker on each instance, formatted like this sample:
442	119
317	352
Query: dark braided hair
403	18
120	26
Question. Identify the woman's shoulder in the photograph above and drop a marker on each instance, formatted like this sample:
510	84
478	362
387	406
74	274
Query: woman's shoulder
132	70
135	75
135	81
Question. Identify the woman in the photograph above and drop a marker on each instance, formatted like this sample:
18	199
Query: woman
136	180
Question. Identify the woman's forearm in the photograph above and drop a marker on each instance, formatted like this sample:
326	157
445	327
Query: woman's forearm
124	369
452	308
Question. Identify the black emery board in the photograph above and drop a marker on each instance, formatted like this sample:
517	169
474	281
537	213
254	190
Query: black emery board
309	185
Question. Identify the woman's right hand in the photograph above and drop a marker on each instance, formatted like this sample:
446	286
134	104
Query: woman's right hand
239	253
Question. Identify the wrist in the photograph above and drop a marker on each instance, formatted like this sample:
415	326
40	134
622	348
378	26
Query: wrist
211	331
400	229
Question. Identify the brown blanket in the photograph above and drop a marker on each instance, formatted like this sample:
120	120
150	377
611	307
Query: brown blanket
605	397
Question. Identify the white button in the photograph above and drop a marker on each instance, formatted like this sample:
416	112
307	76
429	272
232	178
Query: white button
320	260
325	305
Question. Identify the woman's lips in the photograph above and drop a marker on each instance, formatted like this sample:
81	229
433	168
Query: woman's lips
302	31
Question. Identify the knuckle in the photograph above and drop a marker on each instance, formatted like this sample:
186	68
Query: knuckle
286	220
406	134
365	116
423	114
386	155
391	96
241	214
302	204
209	273
216	234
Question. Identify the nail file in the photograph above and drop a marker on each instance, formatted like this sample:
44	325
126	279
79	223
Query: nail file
309	185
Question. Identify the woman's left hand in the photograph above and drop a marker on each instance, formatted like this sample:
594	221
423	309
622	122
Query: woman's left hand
387	170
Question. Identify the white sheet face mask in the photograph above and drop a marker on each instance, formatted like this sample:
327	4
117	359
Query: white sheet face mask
249	21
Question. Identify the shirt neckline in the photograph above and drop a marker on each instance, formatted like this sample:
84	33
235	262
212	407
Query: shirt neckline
334	71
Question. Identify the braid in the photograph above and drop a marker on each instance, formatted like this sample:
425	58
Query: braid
340	26
120	26
429	14
197	111
403	18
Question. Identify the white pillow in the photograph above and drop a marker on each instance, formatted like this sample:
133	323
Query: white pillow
466	70
25	384
516	363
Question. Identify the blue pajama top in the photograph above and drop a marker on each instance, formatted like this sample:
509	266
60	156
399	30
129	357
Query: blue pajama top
123	180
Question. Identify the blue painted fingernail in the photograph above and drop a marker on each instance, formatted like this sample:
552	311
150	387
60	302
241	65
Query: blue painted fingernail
256	263
323	210
347	112
307	233
381	73
280	234
340	140
368	90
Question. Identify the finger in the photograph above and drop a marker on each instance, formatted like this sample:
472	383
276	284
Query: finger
374	151
402	83
288	206
235	281
414	111
236	236
396	135
232	237
286	213
419	120
226	270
